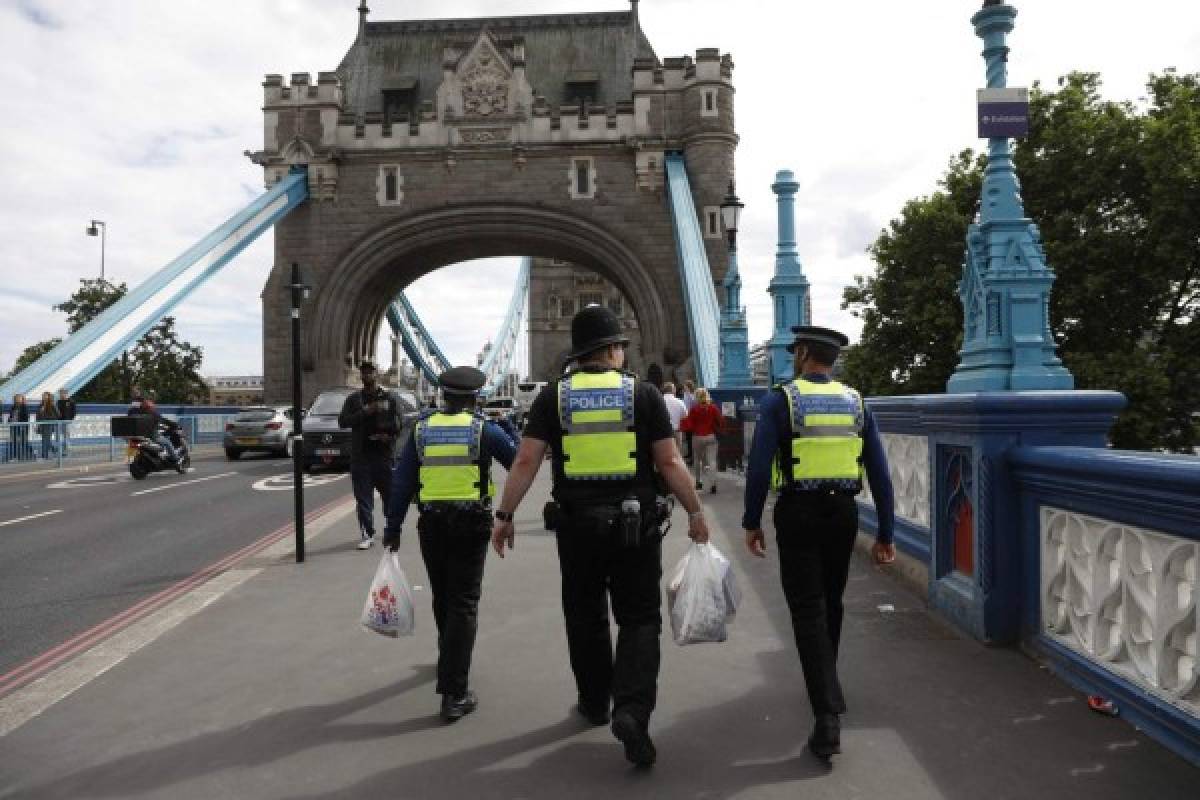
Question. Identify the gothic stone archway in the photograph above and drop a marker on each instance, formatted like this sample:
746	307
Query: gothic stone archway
445	140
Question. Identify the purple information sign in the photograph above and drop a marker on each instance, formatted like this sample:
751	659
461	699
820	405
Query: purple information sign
1009	120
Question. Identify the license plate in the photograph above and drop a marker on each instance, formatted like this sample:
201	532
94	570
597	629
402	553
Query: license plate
247	440
328	451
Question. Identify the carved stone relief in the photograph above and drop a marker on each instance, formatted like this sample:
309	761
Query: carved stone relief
485	88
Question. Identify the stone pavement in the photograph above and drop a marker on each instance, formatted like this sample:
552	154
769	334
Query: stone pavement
274	691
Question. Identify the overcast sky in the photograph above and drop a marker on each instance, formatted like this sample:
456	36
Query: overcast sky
137	113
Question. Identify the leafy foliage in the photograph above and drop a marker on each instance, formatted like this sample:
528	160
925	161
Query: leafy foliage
1115	189
159	362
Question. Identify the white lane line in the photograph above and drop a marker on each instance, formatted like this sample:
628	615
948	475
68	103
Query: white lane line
183	483
31	516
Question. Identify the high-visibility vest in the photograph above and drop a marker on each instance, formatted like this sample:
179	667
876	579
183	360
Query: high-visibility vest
450	459
826	443
596	413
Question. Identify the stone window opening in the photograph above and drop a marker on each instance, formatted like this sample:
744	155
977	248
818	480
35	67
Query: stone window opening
582	177
388	185
708	107
616	304
712	222
590	299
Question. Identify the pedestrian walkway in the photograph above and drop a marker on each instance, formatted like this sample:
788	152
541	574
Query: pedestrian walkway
274	691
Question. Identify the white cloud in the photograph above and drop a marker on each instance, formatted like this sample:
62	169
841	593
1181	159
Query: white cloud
137	113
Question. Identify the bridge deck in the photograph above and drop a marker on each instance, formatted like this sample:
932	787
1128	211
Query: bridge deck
274	691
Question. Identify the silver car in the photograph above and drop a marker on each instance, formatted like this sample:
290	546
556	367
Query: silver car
262	429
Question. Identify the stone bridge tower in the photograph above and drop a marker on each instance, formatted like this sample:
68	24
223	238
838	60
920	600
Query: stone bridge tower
438	141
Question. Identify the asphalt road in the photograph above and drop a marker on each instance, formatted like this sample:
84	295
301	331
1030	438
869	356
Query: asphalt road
75	550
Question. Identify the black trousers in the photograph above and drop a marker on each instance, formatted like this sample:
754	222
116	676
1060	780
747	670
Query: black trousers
815	533
367	476
454	547
596	569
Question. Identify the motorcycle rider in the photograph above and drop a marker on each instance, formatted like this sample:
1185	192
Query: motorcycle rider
163	427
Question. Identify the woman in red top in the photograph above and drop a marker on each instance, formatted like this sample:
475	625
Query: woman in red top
704	423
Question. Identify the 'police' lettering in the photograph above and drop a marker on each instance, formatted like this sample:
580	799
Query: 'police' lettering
595	400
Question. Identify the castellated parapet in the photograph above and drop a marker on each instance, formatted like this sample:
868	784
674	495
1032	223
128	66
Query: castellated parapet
542	135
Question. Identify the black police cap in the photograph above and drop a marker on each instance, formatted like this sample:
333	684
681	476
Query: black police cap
462	380
815	333
592	328
367	365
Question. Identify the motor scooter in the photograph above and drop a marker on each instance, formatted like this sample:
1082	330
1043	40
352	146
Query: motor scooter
146	455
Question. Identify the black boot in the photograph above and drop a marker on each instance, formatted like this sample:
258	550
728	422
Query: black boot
638	747
826	739
594	713
455	708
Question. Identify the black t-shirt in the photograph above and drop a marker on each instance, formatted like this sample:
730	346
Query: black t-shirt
651	422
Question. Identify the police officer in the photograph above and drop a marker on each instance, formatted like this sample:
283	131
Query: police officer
374	421
608	434
446	466
820	436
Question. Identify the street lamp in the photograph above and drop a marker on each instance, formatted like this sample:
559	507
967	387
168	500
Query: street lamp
299	293
98	228
731	213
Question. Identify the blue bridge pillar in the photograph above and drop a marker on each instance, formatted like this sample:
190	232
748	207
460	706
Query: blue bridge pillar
789	287
1005	286
735	337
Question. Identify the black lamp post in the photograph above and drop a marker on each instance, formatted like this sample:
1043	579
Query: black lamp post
299	293
731	214
98	228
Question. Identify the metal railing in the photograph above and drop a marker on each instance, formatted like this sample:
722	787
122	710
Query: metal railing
87	439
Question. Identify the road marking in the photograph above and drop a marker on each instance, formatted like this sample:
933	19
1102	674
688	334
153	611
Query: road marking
285	482
91	480
31	516
184	483
31	688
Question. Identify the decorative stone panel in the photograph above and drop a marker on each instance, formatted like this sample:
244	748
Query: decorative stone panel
908	465
1124	598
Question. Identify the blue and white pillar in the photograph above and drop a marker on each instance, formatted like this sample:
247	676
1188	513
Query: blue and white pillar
735	337
789	287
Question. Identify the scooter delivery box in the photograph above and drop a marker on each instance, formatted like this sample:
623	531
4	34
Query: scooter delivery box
140	425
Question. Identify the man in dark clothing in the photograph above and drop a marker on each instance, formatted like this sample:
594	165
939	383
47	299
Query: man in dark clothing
373	417
612	448
163	428
18	430
446	466
822	437
66	413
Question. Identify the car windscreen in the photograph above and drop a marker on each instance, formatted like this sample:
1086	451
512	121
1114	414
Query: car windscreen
329	404
255	415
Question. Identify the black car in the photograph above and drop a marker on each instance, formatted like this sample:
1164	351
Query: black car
328	445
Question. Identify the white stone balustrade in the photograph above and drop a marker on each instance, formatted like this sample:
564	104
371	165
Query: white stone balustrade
908	464
1125	598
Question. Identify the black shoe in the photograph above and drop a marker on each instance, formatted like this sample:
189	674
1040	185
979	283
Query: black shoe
638	747
595	715
713	490
455	708
826	739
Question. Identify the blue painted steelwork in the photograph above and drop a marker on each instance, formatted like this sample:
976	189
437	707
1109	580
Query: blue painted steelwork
789	287
700	296
1005	286
498	362
415	339
84	353
735	337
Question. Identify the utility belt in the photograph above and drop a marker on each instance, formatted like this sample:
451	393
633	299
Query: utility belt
786	493
452	509
629	520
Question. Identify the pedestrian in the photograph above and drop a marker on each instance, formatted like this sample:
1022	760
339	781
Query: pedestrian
373	418
47	420
446	465
66	413
18	429
613	455
821	435
704	422
689	400
676	410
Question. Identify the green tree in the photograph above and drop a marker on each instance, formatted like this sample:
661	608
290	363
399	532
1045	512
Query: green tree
33	353
159	362
1115	189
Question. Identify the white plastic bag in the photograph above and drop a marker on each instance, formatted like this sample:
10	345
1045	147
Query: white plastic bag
702	596
389	606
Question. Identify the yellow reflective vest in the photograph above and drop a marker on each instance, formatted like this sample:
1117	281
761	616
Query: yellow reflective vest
596	413
450	459
826	443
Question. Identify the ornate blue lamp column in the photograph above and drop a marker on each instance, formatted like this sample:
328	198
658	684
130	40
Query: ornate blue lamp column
1005	287
735	339
789	287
